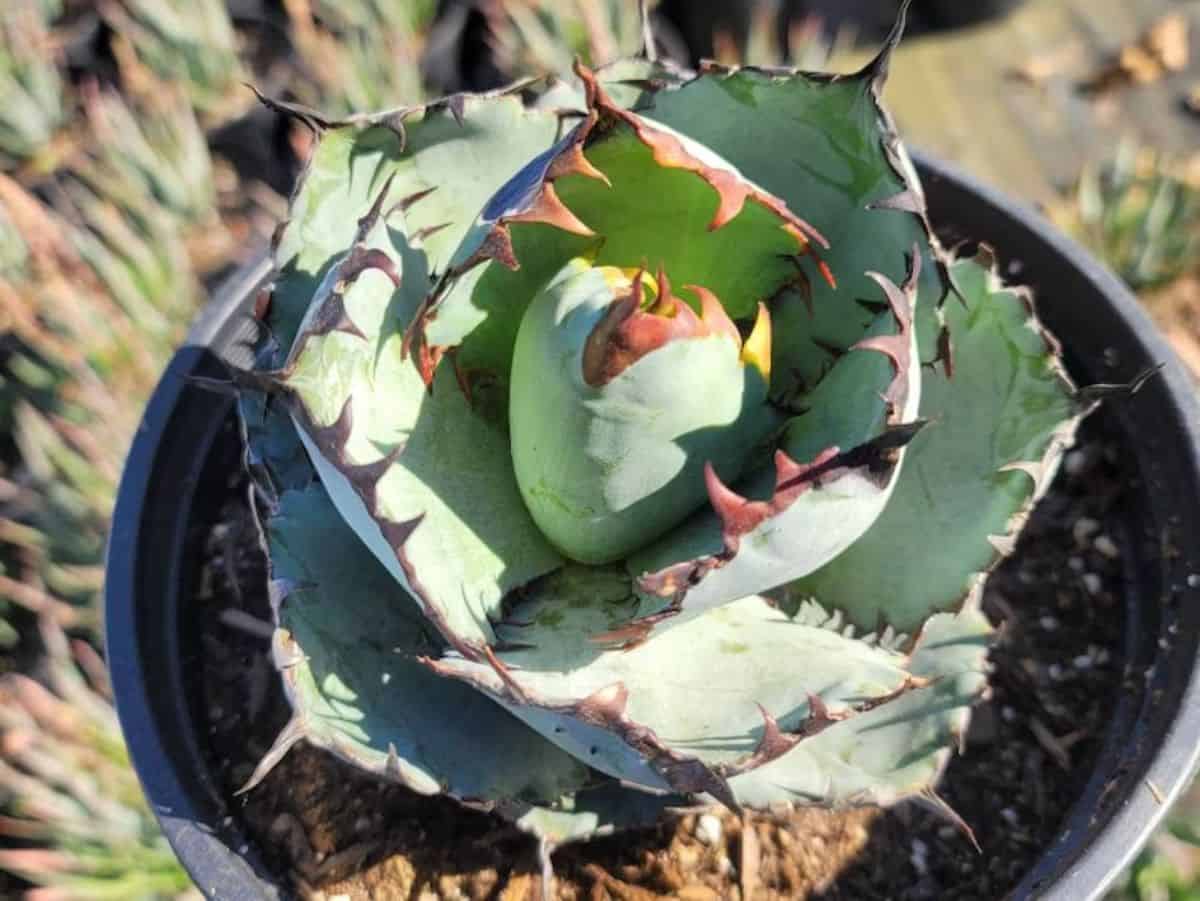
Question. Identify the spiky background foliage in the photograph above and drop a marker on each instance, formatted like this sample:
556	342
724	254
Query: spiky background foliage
540	37
105	222
75	820
1140	214
358	55
32	107
189	42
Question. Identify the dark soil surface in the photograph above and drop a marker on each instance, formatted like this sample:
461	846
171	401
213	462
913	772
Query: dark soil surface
330	831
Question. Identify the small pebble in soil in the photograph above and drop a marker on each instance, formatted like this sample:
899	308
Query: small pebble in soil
920	856
1085	527
708	830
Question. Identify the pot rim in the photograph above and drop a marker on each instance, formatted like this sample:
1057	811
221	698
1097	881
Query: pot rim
1177	758
206	851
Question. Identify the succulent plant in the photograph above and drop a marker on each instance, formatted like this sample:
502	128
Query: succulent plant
362	55
74	820
191	42
86	323
636	445
1140	214
541	37
31	91
154	151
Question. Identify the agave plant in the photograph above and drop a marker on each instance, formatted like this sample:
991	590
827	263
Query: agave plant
637	453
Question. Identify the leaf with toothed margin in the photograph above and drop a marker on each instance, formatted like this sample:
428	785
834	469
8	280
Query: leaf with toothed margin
997	430
623	192
614	410
419	475
783	523
443	172
273	453
720	695
347	646
897	750
825	146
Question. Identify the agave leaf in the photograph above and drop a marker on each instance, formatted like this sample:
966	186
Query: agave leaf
626	81
439	468
606	464
398	454
703	706
420	475
831	479
322	661
595	812
348	645
274	454
896	750
423	149
998	429
639	194
824	145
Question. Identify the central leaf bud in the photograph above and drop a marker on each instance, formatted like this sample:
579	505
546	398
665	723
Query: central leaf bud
621	392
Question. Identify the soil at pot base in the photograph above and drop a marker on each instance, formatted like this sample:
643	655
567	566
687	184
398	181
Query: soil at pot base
1058	670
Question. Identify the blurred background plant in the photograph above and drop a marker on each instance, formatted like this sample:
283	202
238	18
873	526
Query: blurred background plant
188	42
357	56
136	171
1168	869
1140	214
76	822
32	107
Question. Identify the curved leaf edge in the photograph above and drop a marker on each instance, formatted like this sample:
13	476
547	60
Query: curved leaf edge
879	459
1040	472
690	777
534	200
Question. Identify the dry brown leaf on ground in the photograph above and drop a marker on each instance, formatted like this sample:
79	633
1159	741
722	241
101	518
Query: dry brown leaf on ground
1042	67
1163	49
1192	100
1176	309
1167	41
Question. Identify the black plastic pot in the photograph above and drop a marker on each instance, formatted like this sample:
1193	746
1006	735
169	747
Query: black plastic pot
1154	735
